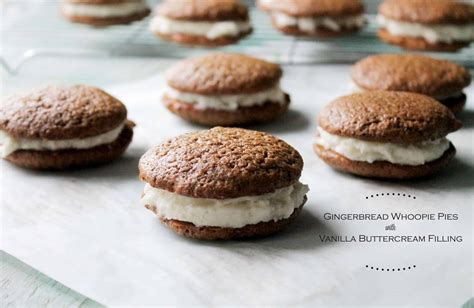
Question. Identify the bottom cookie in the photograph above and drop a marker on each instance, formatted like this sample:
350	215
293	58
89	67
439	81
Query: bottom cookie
217	233
455	104
194	40
215	117
414	43
382	169
320	32
67	159
106	21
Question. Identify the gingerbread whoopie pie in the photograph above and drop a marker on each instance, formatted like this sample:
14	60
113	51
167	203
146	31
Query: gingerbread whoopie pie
225	90
432	25
223	183
208	23
384	134
59	127
104	12
323	18
440	79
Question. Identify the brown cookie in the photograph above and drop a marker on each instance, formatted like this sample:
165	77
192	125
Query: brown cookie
223	74
415	43
214	117
320	32
98	20
306	8
221	163
389	117
383	169
193	40
68	159
413	73
428	11
217	233
203	10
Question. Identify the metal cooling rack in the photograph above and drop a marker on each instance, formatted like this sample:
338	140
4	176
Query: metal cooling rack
34	28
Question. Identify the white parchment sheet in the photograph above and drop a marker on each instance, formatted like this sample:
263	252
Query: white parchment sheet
88	230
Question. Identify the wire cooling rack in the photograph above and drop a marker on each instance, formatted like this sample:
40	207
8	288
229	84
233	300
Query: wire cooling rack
34	28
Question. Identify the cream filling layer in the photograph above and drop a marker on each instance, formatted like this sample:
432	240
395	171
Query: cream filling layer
311	24
104	10
211	30
444	33
10	144
368	151
355	88
229	102
226	213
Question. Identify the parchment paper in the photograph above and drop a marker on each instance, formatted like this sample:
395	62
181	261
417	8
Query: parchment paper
87	228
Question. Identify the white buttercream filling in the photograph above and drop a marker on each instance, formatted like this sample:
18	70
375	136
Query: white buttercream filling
355	88
104	10
10	144
229	102
211	30
443	33
368	151
226	213
311	24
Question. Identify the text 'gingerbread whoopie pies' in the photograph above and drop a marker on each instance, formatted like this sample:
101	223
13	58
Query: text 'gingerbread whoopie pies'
104	12
383	134
434	25
225	90
59	127
223	183
323	18
443	80
208	23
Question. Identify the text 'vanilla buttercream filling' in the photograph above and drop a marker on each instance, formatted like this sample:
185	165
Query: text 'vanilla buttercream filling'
369	151
355	88
210	29
104	10
226	213
10	144
229	102
311	24
439	33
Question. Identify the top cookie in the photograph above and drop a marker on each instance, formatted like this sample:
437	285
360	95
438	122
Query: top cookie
388	117
61	112
428	11
203	10
301	8
410	73
223	73
221	163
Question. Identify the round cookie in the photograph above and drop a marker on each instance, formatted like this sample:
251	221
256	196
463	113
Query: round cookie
225	90
442	25
100	13
384	134
223	183
321	18
440	79
210	23
59	127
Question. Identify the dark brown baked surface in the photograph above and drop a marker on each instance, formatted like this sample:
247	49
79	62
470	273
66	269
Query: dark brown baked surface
383	169
305	8
321	32
214	117
221	163
416	43
106	21
223	73
391	117
61	112
195	40
428	11
67	159
217	233
203	10
410	73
